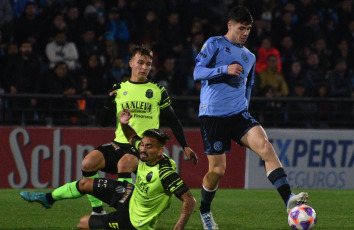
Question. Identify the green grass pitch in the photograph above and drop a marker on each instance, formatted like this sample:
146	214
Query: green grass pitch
233	209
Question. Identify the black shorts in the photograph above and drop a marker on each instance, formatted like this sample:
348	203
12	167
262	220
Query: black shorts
117	194
112	153
217	132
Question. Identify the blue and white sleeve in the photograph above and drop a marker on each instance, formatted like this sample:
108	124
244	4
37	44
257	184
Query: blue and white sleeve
204	68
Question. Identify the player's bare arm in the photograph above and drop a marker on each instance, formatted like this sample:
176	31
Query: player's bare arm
191	155
187	210
128	131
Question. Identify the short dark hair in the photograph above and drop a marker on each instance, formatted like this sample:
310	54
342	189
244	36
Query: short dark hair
159	135
141	50
240	14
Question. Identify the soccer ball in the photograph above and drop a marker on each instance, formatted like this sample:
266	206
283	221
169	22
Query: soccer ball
302	217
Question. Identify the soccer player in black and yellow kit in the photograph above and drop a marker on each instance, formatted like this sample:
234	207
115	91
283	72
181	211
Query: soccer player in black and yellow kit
147	101
139	206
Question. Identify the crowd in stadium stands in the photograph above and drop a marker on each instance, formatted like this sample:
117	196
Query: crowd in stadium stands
304	48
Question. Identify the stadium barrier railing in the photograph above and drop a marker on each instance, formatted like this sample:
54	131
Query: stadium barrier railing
77	110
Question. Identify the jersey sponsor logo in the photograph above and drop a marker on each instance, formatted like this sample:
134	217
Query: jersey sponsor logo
102	183
149	93
203	55
115	146
149	176
248	116
218	145
137	106
120	189
127	193
244	57
142	187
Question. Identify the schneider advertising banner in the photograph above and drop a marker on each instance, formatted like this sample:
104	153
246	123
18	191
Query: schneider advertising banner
40	157
311	158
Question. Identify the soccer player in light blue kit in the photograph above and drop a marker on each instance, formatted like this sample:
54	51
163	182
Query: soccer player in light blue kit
226	70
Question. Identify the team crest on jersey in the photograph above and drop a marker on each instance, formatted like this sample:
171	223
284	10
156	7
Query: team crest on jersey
149	93
217	145
149	176
244	57
125	93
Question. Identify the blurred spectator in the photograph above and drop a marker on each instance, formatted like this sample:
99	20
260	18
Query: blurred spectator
294	76
342	51
88	45
340	80
314	73
190	52
349	33
345	13
284	26
150	31
117	27
129	12
28	26
288	53
23	74
54	25
6	15
12	49
324	54
273	78
324	108
61	50
74	23
300	113
331	32
172	35
93	71
111	50
264	51
94	17
60	81
92	82
166	76
19	6
311	30
116	72
48	8
3	57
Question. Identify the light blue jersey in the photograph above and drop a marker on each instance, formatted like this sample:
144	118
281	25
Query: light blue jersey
222	94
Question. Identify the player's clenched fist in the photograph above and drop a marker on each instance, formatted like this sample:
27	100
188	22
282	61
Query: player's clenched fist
234	69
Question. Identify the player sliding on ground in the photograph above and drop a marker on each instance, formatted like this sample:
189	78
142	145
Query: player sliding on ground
226	70
148	102
139	206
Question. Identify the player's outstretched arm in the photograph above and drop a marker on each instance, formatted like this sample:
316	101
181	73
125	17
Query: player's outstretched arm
128	131
176	127
187	210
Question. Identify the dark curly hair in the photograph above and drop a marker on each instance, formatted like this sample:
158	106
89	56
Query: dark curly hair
159	135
